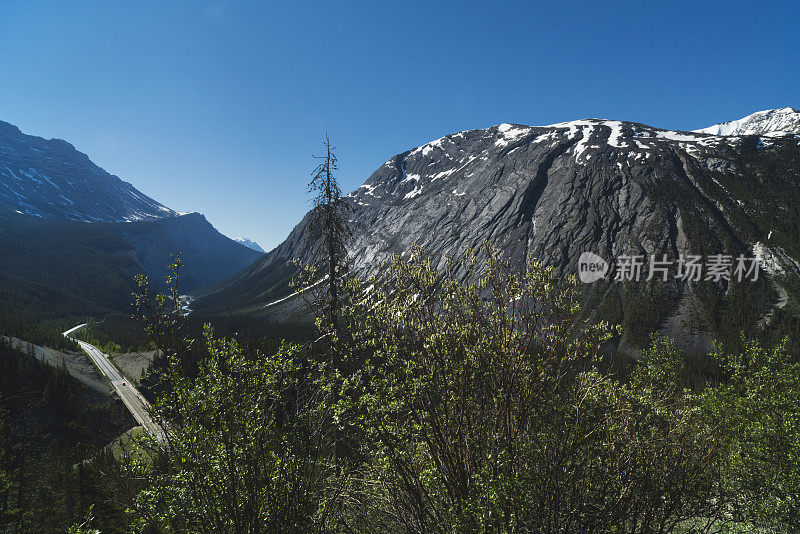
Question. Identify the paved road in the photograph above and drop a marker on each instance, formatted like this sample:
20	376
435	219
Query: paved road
133	400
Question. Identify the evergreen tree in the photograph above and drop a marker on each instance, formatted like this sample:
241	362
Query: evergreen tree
329	231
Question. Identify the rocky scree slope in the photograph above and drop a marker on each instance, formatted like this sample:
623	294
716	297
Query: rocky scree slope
610	187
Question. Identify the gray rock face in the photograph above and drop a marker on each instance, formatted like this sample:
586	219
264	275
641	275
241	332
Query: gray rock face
553	192
608	187
49	178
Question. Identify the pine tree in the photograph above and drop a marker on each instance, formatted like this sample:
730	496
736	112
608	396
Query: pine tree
329	231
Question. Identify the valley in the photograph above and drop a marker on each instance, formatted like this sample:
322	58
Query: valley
133	400
421	225
361	268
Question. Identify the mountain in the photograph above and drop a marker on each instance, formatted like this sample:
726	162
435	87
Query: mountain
51	268
250	244
769	122
49	178
207	255
610	187
74	236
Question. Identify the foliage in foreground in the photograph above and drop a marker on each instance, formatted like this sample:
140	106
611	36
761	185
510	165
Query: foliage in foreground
241	448
761	401
480	407
477	406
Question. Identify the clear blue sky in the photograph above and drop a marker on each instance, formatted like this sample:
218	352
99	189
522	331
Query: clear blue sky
218	106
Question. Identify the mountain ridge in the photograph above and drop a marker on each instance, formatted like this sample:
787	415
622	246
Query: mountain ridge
766	122
48	188
606	186
51	178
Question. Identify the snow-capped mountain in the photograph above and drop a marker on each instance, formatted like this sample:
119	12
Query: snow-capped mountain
769	122
610	187
249	243
50	178
49	184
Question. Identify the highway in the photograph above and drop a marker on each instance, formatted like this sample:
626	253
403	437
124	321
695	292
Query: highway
133	400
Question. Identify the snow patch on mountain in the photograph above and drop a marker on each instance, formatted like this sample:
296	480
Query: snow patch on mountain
771	121
510	133
767	259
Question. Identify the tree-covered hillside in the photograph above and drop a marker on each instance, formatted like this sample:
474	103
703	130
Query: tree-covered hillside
49	424
51	269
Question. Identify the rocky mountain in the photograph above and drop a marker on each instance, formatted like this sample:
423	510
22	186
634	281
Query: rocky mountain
610	187
54	202
249	243
769	122
50	178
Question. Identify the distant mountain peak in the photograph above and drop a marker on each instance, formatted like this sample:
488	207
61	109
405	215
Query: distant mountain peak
249	243
768	122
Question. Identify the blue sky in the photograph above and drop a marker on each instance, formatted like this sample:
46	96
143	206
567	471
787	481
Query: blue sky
218	106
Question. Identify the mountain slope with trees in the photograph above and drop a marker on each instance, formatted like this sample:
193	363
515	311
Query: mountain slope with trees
59	273
480	406
73	236
609	187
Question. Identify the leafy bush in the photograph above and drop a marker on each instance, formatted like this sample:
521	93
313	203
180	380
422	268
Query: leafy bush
241	450
478	406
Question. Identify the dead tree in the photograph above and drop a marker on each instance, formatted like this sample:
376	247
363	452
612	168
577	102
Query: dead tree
329	231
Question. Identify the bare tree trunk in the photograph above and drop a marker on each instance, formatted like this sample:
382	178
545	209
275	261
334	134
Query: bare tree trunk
329	228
